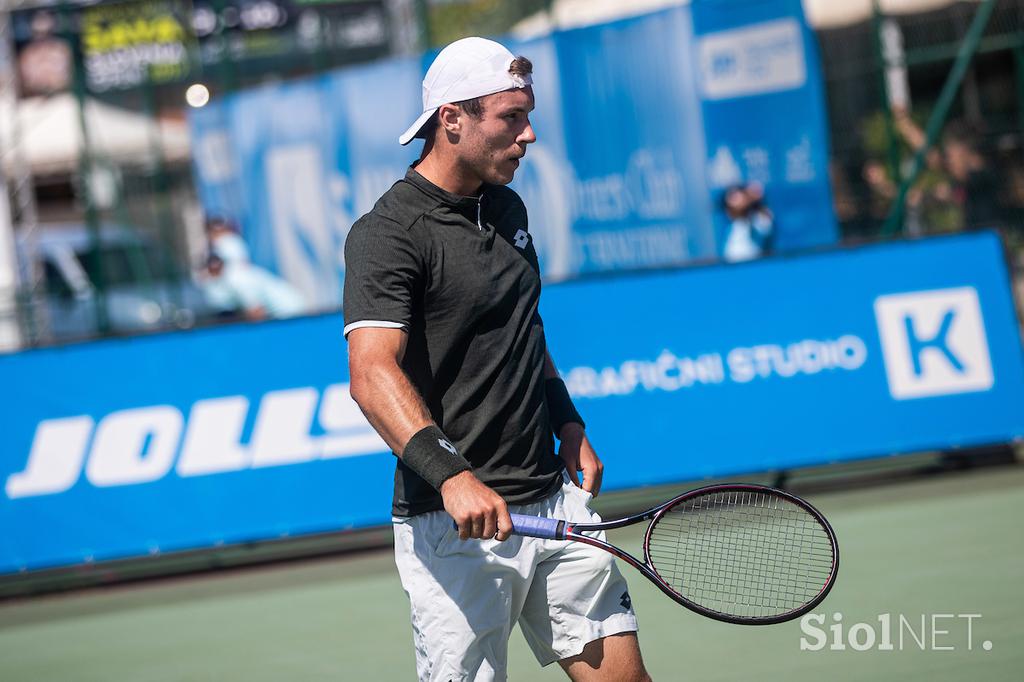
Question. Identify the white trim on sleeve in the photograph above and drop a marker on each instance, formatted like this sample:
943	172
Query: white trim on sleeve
380	324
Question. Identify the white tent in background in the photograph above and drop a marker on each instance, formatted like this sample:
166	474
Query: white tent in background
835	13
566	14
50	136
820	13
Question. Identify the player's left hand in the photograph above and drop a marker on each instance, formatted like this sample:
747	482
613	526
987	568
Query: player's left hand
578	454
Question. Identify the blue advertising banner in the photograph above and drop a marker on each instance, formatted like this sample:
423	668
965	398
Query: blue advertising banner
640	123
787	362
217	175
763	102
287	173
133	446
183	440
635	194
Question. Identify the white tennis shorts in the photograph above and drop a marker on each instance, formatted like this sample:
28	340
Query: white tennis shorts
467	595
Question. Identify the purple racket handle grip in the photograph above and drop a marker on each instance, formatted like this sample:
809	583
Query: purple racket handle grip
535	527
538	527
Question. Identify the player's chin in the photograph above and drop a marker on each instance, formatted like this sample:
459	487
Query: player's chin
503	172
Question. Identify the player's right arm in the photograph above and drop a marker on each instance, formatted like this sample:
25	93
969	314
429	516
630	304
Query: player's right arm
382	273
393	407
381	388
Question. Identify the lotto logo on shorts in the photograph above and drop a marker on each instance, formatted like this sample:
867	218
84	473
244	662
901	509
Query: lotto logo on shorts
933	343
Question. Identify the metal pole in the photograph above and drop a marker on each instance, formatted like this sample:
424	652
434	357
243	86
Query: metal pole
170	275
24	217
324	43
92	221
10	332
1018	67
938	118
423	14
893	148
225	61
1018	63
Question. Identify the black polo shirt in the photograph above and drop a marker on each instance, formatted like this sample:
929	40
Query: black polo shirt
460	276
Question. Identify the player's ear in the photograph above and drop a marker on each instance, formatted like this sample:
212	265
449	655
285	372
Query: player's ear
449	118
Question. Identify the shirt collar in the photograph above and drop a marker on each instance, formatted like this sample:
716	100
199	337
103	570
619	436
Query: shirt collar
413	177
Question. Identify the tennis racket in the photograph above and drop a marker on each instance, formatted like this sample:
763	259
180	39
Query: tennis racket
745	554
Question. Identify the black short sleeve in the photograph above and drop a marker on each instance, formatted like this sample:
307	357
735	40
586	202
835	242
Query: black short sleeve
382	272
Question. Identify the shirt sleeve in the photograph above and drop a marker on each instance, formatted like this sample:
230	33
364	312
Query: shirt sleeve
383	270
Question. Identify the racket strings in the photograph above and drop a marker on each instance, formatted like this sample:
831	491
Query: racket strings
744	554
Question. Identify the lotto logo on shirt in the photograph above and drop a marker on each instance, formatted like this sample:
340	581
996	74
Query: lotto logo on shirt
521	239
934	343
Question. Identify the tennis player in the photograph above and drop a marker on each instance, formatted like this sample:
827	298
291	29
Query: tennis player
449	364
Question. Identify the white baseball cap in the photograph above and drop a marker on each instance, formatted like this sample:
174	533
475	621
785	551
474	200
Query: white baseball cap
467	68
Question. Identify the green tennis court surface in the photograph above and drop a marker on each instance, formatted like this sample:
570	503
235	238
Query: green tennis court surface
946	546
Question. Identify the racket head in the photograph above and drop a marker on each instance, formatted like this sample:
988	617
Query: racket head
744	554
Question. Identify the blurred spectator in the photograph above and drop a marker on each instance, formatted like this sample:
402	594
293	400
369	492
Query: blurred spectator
881	189
957	187
844	201
1010	162
751	224
225	241
44	63
971	178
240	286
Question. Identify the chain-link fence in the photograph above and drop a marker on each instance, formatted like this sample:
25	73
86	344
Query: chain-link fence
109	230
453	19
885	78
118	235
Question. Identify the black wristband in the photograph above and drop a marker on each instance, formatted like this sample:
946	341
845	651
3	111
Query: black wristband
561	411
431	455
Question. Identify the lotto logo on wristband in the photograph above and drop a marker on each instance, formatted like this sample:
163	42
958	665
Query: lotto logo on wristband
447	446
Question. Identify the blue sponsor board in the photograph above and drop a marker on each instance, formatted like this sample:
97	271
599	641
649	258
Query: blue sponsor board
184	440
763	105
640	124
174	441
788	362
633	191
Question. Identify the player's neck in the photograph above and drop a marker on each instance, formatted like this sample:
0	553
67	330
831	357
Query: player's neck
445	171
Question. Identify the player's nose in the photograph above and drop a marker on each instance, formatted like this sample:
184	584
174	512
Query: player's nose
528	136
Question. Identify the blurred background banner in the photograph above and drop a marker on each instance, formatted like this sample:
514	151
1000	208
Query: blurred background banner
296	164
127	44
285	167
641	123
124	448
631	181
765	121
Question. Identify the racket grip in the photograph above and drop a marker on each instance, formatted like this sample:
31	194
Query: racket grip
535	527
538	527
